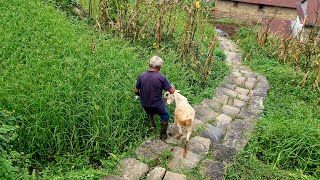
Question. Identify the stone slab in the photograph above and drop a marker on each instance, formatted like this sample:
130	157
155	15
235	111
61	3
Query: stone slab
213	170
239	81
152	148
229	86
205	114
230	93
132	169
235	74
113	178
230	110
199	145
243	97
238	103
174	176
223	99
211	104
240	90
178	163
215	134
237	134
224	153
156	174
197	123
223	120
249	85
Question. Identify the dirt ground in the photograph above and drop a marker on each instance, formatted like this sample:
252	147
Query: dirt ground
229	28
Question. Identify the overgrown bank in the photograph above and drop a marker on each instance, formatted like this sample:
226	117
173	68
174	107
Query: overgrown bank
286	143
72	88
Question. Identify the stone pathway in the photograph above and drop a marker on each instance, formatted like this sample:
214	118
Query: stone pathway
226	122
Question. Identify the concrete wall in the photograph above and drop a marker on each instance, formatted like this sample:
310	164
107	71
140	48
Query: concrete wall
251	12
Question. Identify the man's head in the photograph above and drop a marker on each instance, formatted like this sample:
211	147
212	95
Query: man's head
155	62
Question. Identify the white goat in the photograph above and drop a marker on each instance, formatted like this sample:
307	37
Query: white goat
183	116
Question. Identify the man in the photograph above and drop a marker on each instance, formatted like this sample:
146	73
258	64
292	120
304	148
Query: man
149	87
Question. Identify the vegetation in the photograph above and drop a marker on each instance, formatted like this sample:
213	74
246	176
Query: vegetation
71	87
286	143
301	51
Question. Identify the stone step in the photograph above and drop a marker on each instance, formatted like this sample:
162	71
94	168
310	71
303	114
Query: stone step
152	148
178	163
132	169
199	145
215	134
174	176
213	170
156	174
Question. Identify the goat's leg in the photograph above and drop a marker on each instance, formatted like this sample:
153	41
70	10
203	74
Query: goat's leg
180	131
189	130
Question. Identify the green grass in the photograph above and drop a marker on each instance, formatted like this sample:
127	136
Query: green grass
76	106
286	143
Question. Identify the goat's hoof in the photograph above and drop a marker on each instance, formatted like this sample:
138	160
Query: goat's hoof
179	136
185	155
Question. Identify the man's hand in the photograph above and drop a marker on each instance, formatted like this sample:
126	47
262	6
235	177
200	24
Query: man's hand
171	91
137	91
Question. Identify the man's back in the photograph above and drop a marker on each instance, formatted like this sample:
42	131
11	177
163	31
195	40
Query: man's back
151	84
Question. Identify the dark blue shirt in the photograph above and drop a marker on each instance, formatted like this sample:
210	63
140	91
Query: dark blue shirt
151	84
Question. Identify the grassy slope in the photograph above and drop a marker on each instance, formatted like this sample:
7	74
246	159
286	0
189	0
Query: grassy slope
286	144
74	102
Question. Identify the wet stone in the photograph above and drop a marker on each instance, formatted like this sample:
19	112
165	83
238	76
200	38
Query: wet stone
212	104
239	81
113	178
229	86
213	170
230	93
236	74
223	99
224	153
230	102
249	85
179	163
238	103
242	90
199	145
151	149
156	174
196	123
132	168
223	120
174	176
236	136
205	114
243	97
230	110
215	134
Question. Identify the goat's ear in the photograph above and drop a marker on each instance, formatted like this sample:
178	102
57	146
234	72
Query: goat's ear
177	91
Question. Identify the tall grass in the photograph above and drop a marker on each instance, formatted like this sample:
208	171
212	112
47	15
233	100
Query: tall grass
286	143
73	86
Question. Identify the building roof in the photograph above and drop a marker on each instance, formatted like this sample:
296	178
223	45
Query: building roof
309	12
278	3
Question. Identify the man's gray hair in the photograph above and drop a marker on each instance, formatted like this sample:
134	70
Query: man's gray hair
155	62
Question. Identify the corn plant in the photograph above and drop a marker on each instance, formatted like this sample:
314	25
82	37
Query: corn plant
302	52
